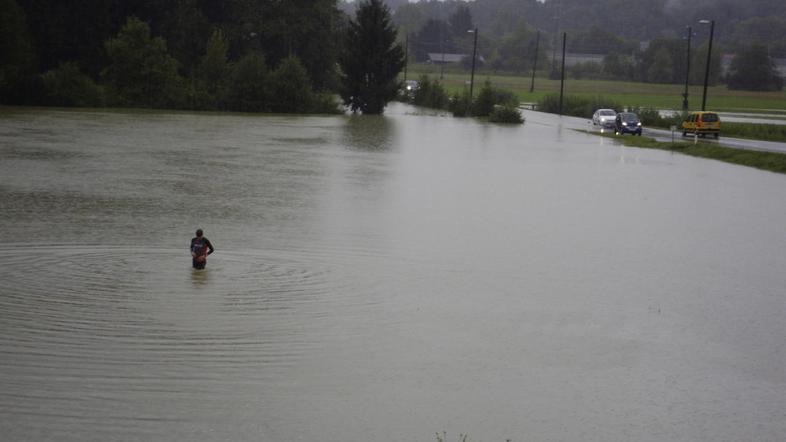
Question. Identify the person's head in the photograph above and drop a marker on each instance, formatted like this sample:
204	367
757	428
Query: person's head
199	233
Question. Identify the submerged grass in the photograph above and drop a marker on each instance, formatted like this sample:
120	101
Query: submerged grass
770	161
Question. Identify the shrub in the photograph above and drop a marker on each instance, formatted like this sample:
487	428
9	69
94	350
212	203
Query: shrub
484	103
325	103
430	94
506	114
653	118
68	86
490	97
575	105
459	104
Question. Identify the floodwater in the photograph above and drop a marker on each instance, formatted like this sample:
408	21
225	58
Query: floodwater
381	279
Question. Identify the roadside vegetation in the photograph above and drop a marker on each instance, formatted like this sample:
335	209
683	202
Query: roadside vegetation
770	161
752	131
626	93
494	104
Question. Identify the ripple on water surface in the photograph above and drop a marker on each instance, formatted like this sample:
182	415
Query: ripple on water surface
114	322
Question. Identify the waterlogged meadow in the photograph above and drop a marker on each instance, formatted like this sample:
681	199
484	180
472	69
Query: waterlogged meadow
384	278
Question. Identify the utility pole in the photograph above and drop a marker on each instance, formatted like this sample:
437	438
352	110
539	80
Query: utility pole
687	74
562	75
535	62
474	51
707	69
556	34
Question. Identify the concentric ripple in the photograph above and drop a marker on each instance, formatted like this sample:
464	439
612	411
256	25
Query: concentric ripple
139	321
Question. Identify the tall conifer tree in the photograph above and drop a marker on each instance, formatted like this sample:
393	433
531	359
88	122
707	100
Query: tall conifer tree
371	59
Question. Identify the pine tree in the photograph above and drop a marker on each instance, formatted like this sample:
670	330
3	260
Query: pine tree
371	60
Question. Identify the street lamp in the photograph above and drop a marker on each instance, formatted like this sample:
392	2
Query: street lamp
474	51
687	74
709	55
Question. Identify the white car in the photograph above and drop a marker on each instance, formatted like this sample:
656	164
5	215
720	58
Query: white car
604	118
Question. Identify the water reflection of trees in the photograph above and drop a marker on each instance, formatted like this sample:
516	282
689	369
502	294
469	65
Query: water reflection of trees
369	133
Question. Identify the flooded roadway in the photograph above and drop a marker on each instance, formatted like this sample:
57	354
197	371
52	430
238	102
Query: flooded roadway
381	279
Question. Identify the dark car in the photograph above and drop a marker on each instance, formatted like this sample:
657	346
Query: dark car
627	123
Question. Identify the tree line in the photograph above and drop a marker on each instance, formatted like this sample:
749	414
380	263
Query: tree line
516	35
197	54
293	56
739	23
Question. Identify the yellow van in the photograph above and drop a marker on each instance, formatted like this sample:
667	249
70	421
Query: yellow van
701	123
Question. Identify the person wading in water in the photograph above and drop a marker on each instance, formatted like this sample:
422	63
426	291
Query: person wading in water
200	248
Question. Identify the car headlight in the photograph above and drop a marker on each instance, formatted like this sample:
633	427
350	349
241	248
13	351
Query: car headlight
638	124
624	123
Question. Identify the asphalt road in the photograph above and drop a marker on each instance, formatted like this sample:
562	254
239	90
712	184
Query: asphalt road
659	134
737	143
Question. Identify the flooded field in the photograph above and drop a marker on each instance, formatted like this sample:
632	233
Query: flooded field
381	279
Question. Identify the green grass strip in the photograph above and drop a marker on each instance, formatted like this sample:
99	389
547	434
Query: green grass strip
770	161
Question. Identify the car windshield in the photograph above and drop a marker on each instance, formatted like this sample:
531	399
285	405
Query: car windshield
629	117
606	113
709	118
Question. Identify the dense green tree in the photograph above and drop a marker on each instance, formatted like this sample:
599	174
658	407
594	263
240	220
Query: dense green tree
17	56
752	69
211	83
663	61
69	86
248	91
619	67
185	29
767	31
141	72
698	65
308	29
371	60
290	88
517	49
214	66
661	67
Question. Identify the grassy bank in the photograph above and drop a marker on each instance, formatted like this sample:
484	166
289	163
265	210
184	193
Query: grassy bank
645	95
766	132
771	161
